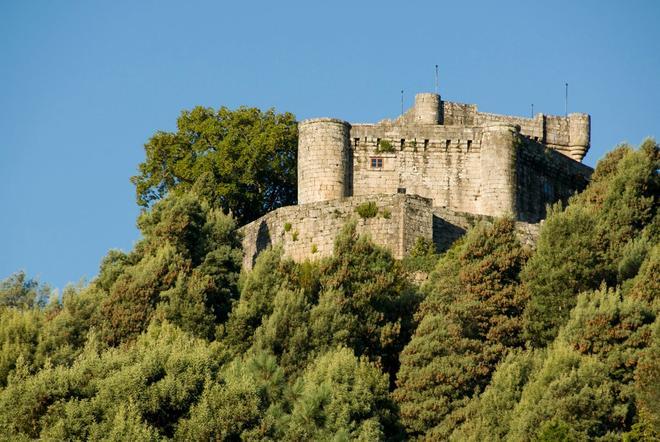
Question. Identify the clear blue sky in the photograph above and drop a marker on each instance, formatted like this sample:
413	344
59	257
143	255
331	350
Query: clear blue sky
84	84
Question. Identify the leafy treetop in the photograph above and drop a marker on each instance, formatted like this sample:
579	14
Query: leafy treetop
243	161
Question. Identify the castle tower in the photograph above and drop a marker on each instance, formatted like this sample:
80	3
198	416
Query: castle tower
579	134
324	160
427	109
498	170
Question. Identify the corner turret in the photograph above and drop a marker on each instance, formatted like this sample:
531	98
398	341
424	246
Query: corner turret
325	160
579	135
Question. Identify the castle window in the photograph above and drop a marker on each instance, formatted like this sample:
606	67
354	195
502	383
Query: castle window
426	144
377	142
469	144
403	142
448	142
356	141
376	163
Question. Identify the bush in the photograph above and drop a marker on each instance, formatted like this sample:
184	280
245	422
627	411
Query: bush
367	210
385	146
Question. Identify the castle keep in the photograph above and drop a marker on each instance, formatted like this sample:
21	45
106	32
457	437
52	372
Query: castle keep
431	173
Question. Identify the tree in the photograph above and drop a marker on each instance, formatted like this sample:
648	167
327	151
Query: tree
141	390
602	236
585	388
243	161
185	270
341	397
488	417
568	260
647	389
365	302
468	320
244	403
258	288
21	292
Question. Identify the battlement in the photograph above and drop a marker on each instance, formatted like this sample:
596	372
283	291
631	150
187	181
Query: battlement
569	135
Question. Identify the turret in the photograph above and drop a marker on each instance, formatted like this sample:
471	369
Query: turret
324	160
427	109
498	170
579	135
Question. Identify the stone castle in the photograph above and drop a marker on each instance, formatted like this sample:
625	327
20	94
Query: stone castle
431	173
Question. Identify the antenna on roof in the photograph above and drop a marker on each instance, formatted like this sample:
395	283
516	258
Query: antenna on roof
436	79
401	101
566	101
532	110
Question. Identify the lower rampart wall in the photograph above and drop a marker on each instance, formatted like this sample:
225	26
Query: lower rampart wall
308	231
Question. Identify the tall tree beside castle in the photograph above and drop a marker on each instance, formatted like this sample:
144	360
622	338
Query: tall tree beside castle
243	161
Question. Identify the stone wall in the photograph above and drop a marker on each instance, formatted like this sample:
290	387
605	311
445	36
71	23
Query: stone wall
489	170
569	135
308	231
543	177
324	160
458	114
434	161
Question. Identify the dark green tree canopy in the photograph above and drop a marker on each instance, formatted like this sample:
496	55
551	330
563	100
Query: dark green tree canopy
243	161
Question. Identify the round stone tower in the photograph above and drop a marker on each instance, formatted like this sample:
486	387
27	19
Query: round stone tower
324	160
427	109
579	135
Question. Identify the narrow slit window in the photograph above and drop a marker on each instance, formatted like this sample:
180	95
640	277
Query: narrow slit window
377	142
447	143
469	144
403	143
426	144
356	141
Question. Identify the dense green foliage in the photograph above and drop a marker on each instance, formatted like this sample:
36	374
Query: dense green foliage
468	320
243	161
173	341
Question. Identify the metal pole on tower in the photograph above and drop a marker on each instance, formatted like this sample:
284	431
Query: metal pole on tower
436	79
532	110
401	101
566	100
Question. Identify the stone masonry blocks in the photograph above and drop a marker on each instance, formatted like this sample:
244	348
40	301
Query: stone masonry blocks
324	160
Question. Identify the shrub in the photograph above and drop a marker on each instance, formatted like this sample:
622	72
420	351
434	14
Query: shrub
386	213
287	227
385	146
367	210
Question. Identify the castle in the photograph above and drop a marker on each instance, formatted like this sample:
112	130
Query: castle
431	173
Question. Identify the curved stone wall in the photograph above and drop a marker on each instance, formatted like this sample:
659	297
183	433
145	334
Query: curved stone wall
324	160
